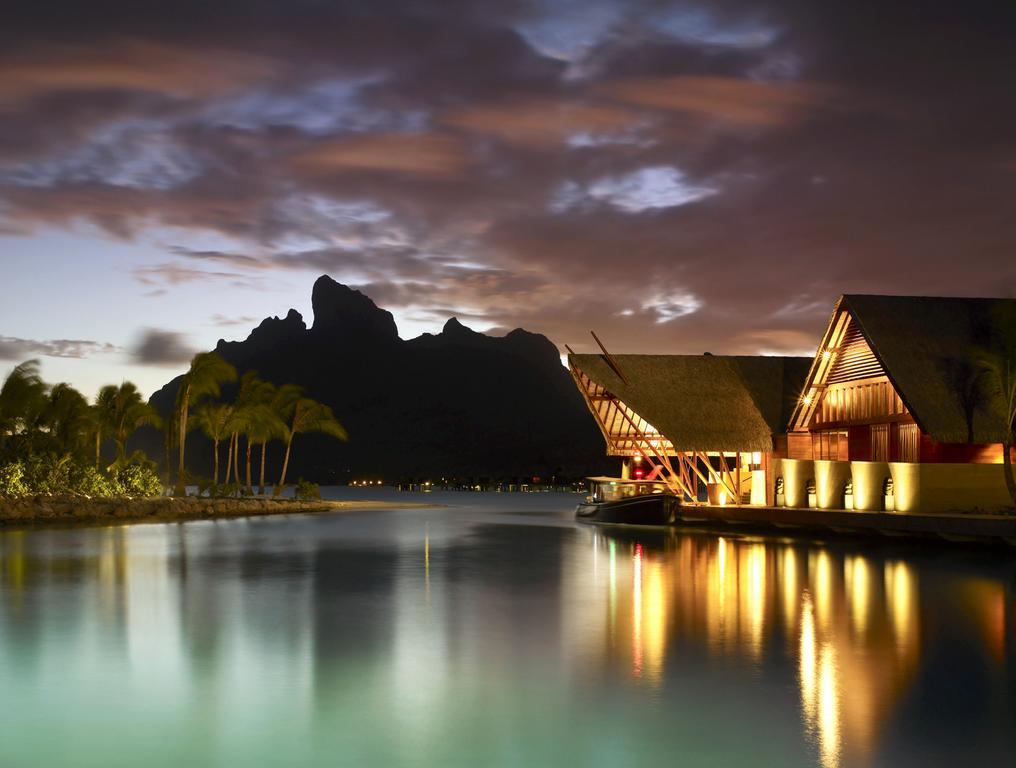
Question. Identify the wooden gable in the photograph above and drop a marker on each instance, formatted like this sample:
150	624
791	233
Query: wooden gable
848	384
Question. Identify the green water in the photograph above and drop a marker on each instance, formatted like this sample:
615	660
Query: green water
496	632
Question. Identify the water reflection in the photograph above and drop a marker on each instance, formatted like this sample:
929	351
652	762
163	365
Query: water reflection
486	637
851	622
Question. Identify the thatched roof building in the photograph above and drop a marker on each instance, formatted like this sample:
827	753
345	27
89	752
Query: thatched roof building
929	349
692	402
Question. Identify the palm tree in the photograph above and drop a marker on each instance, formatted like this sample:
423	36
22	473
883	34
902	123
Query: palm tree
22	400
263	424
129	412
1001	374
103	417
214	420
999	367
252	396
207	373
68	418
308	416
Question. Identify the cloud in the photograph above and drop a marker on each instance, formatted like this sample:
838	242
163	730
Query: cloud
552	165
546	122
13	348
126	65
225	320
732	100
643	190
420	153
162	347
172	273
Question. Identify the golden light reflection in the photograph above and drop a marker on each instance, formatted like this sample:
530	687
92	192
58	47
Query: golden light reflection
636	597
426	560
858	580
901	604
849	623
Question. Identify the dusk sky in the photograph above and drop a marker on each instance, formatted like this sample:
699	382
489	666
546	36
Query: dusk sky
680	177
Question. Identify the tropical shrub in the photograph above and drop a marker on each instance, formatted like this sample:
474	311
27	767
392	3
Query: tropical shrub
138	480
12	480
90	482
48	475
306	490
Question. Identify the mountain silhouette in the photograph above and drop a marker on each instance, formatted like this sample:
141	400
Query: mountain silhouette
453	404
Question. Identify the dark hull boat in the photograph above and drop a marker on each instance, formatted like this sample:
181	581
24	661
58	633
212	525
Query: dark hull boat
629	502
658	509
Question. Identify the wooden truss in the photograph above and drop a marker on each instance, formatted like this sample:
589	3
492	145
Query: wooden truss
629	435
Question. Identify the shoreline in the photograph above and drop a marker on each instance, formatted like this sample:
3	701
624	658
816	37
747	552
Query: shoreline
42	511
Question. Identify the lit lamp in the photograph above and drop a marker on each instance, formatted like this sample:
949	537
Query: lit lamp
848	494
812	496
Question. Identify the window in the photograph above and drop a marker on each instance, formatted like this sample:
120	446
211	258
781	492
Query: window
880	442
830	444
910	443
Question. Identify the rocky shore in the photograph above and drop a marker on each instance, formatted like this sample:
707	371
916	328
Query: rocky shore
163	509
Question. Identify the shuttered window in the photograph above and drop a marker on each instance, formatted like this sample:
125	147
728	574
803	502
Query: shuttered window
880	442
910	443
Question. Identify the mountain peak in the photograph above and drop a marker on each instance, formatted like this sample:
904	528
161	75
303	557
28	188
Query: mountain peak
455	328
341	310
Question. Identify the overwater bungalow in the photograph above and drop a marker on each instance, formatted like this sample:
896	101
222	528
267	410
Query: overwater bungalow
709	427
893	413
890	415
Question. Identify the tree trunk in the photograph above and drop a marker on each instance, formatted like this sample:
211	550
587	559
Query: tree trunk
236	462
261	484
1010	480
184	406
98	445
229	459
285	466
215	473
250	484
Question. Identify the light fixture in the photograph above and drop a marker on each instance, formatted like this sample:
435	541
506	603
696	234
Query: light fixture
826	354
806	399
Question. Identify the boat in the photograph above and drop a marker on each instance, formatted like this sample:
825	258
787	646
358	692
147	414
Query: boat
618	500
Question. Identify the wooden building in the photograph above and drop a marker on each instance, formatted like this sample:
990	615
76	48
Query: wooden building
893	415
708	426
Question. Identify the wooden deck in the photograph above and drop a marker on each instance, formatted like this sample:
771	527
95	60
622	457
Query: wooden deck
965	528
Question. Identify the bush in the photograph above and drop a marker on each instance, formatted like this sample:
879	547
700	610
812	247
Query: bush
138	480
88	481
306	490
12	480
48	475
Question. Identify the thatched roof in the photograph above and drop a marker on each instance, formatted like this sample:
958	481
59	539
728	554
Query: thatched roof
930	348
705	402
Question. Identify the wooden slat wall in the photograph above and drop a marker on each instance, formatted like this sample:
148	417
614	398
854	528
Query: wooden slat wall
854	359
859	401
799	446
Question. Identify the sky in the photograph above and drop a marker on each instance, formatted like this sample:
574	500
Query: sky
680	177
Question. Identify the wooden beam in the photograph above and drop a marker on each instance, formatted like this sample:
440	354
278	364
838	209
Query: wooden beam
610	360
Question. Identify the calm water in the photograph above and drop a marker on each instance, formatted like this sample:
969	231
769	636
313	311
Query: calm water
496	633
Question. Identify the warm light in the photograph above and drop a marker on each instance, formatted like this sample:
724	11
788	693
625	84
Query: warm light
806	399
826	354
723	498
637	458
756	457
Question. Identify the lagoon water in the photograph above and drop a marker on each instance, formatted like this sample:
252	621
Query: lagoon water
496	632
